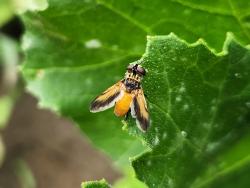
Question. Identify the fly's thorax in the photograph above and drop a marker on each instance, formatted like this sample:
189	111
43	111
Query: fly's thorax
132	81
133	76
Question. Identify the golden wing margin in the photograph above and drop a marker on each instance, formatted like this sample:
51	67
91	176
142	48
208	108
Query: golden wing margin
108	98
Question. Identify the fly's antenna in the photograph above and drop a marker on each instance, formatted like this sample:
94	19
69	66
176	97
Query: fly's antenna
134	69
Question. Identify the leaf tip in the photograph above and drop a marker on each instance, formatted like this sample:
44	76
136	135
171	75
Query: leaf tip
201	41
171	34
92	184
125	125
229	38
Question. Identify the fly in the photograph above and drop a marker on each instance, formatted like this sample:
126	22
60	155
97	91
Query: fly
127	96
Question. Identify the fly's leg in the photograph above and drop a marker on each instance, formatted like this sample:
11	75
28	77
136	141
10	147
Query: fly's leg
127	114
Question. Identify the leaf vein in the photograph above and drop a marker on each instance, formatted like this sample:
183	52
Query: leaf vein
126	17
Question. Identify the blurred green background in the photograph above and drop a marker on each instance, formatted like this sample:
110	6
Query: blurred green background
37	149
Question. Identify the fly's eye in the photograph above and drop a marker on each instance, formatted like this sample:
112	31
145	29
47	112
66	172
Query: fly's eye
141	70
130	67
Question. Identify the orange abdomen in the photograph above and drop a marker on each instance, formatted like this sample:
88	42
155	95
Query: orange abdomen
122	106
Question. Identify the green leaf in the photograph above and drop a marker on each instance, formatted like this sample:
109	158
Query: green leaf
128	180
74	51
9	59
24	174
8	8
6	104
8	77
6	11
22	6
68	43
200	108
96	184
66	80
9	92
109	23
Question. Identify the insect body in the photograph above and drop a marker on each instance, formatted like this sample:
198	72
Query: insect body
127	96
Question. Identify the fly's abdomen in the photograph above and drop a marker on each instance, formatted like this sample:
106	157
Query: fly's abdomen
122	106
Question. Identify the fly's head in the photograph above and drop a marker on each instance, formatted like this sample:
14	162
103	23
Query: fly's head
135	72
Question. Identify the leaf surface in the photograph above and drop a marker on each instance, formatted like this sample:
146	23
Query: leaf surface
199	106
96	184
74	51
69	43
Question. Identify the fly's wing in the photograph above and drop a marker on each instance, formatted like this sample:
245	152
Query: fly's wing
139	110
108	98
